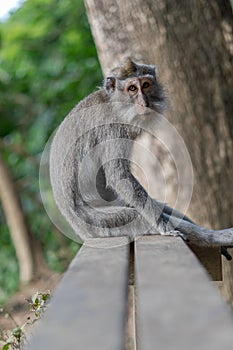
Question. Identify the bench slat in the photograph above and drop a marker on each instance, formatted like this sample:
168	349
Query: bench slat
88	309
177	307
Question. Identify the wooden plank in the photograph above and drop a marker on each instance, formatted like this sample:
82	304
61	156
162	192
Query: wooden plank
130	335
210	258
88	309
177	306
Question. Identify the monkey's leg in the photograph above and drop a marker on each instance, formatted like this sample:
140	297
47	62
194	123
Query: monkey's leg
174	212
119	177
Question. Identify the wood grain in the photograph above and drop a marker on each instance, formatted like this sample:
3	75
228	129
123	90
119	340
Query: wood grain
177	307
88	310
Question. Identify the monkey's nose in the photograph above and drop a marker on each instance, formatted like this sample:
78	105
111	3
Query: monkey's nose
143	104
141	110
144	101
141	100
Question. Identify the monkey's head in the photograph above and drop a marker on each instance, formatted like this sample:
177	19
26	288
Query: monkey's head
136	86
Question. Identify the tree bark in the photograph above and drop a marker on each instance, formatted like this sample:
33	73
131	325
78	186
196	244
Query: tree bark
16	222
191	42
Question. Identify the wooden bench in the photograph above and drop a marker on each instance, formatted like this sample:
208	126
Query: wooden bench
150	294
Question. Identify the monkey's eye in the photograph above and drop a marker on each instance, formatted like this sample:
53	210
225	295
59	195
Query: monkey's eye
132	88
145	85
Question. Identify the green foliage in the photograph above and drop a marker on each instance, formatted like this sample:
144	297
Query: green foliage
16	338
38	303
48	62
9	274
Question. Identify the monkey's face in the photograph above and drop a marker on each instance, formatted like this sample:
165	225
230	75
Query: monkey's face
136	96
138	91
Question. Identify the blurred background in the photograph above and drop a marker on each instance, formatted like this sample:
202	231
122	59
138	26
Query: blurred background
48	62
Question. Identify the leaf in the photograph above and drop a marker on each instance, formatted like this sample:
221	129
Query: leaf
35	298
17	332
45	296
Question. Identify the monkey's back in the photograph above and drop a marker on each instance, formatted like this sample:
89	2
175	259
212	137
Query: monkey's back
80	148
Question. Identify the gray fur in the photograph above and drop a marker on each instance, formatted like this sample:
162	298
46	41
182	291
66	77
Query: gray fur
90	169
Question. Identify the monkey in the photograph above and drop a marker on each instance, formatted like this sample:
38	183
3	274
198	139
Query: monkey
90	170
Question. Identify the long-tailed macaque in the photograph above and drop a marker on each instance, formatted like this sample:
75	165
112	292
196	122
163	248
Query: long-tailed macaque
91	177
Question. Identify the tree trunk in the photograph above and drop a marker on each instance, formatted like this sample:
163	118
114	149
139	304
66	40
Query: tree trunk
191	42
16	222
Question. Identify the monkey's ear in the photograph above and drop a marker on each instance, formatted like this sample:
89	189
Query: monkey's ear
155	71
110	84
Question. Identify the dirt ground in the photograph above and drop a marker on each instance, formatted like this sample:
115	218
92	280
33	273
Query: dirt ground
18	305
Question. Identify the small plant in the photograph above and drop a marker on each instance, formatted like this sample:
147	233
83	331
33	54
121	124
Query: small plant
16	339
38	303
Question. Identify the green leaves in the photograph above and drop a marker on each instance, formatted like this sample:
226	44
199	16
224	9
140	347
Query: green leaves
16	338
45	47
48	62
39	300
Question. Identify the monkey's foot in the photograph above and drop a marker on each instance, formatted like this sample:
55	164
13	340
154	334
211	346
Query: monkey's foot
174	233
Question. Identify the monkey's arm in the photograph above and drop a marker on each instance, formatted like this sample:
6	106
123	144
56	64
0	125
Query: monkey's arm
120	178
